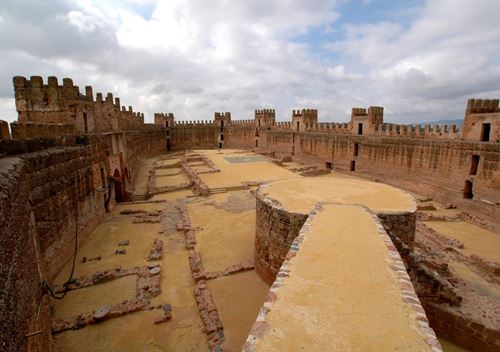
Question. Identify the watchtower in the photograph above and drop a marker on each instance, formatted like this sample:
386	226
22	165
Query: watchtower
365	121
222	120
167	120
301	118
265	118
482	120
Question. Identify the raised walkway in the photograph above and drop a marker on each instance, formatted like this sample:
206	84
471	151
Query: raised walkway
342	287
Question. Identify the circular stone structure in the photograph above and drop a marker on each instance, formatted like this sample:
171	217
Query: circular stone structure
283	206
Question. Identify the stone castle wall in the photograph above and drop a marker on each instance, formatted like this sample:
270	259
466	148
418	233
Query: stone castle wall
68	160
430	160
66	148
194	135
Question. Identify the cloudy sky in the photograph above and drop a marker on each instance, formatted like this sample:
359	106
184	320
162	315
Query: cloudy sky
421	60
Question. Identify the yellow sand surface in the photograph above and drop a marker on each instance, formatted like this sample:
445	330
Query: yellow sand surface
223	238
142	177
136	331
104	241
234	174
87	299
168	162
238	299
441	211
475	239
293	165
202	168
341	294
302	193
173	180
474	280
171	196
450	347
167	172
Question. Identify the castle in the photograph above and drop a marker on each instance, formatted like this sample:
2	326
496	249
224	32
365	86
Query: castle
70	157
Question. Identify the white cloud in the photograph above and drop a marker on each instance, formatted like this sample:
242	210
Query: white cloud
194	57
82	22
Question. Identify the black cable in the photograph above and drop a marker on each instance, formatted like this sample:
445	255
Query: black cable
45	283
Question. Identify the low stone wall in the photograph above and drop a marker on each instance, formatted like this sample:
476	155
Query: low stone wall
409	297
401	229
452	325
276	228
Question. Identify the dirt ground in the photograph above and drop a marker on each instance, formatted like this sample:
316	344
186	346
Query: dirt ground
224	224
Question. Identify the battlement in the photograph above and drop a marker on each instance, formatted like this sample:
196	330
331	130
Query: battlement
376	111
328	127
194	123
243	122
482	106
366	121
305	113
222	115
51	103
286	125
359	112
417	131
482	120
164	119
265	112
164	115
34	95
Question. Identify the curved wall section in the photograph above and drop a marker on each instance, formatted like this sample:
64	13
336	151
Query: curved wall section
275	231
277	226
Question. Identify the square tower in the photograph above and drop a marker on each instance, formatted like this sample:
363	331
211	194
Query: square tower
265	118
303	118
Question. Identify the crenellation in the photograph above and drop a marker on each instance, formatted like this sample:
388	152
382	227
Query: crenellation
359	112
481	106
89	94
109	98
91	152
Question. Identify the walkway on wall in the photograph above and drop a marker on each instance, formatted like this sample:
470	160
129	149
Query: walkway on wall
342	287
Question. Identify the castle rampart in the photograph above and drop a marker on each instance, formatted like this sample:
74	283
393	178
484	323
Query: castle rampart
70	160
81	155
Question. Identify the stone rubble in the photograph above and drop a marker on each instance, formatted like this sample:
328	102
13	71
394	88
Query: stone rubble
156	252
167	314
148	286
206	306
148	217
